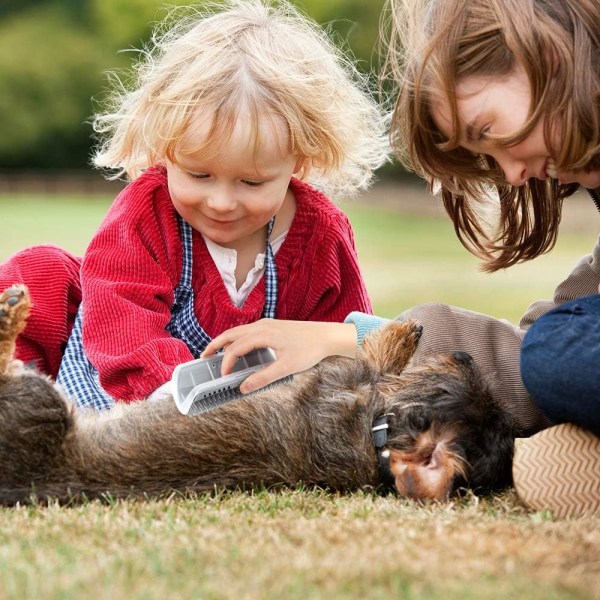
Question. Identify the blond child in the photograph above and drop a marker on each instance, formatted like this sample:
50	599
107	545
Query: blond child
233	113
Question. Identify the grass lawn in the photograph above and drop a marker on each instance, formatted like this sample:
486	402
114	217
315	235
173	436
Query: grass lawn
307	544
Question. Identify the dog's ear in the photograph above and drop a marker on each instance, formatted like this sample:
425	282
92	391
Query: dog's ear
388	350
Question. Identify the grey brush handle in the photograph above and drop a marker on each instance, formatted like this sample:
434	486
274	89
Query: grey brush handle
198	385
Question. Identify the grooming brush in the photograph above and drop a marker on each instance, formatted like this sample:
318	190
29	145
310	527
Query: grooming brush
198	385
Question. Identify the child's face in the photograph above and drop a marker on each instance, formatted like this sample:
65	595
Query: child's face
231	195
500	107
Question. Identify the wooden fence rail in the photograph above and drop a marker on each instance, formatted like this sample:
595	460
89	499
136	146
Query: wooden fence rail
50	182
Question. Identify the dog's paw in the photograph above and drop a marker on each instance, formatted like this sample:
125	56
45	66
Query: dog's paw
14	308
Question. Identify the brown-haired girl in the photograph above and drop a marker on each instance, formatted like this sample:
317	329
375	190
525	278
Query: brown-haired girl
499	108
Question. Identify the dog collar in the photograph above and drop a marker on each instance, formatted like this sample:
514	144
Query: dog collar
379	433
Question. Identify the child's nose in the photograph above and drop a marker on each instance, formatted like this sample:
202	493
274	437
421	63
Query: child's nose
221	200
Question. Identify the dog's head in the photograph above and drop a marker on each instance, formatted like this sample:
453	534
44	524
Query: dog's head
445	431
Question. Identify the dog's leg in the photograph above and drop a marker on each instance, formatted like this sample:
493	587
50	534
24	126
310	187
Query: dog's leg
34	418
388	350
14	308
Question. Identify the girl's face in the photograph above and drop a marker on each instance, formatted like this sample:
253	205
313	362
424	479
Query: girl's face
229	196
500	107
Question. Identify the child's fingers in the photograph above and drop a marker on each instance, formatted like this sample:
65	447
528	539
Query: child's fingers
238	348
210	349
230	355
265	376
220	341
234	335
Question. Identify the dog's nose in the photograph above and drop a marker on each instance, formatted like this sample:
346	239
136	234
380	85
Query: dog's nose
464	358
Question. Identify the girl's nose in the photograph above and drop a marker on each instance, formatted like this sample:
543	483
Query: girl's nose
515	171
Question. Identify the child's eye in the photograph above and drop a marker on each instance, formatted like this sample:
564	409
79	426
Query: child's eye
195	174
252	183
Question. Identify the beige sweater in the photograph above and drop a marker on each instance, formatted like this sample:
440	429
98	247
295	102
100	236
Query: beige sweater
494	344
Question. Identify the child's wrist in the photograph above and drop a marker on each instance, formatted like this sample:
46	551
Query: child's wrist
341	340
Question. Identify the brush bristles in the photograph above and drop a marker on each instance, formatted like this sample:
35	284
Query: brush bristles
213	399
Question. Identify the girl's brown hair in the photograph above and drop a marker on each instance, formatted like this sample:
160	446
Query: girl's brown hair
435	43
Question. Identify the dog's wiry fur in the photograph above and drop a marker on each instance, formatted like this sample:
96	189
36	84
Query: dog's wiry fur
445	430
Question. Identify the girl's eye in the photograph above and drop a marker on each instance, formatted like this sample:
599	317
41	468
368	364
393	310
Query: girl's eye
484	133
198	175
253	183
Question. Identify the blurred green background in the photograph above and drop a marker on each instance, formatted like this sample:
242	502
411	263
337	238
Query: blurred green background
54	55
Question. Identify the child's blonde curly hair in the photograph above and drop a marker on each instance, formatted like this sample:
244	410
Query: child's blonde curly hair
259	56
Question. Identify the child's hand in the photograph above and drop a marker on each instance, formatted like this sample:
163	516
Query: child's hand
298	346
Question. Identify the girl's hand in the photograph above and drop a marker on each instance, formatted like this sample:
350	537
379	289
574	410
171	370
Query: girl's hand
298	345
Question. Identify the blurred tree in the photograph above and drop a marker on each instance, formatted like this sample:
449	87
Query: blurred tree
53	55
11	6
49	68
124	24
354	22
